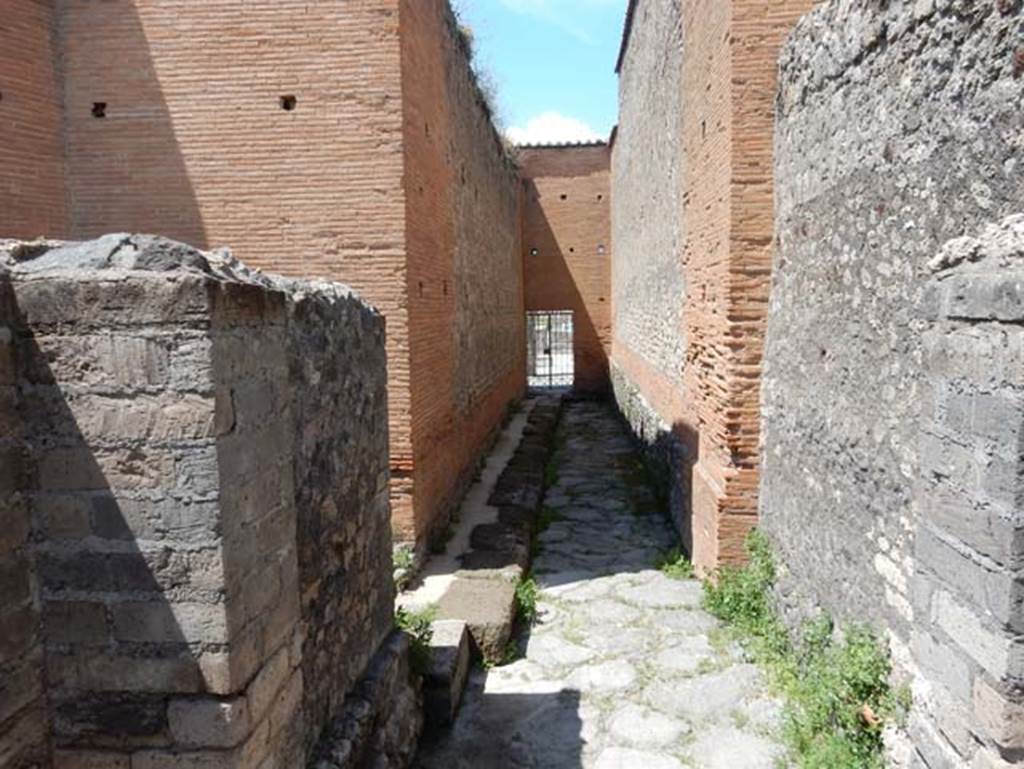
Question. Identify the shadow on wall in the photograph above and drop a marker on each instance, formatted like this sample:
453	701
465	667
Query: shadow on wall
125	168
559	291
670	454
114	648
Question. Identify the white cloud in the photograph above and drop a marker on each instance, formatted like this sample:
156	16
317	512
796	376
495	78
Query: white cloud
551	128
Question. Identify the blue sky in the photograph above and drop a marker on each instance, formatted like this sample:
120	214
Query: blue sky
552	62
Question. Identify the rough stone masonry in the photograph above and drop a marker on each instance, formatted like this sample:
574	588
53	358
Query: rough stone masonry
196	471
893	412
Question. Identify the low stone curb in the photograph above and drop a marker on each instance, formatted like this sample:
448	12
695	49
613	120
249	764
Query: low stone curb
482	595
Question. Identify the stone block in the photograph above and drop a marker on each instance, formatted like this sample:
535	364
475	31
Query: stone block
169	622
21	685
90	759
102	719
450	661
97	304
932	746
942	663
15	579
63	516
76	622
987	759
21	631
987	296
972	577
1001	655
1001	718
487	606
265	687
200	722
980	528
15	531
111	672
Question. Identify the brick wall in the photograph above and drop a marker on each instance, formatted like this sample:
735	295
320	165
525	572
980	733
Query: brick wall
566	204
466	320
892	403
692	230
196	145
31	140
213	538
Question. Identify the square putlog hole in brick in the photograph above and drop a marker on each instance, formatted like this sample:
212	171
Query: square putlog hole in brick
288	102
99	109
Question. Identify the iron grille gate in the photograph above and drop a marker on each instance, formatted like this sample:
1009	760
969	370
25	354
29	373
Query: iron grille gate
549	349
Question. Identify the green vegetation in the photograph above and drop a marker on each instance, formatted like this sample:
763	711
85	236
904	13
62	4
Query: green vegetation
403	557
836	689
526	600
417	625
675	564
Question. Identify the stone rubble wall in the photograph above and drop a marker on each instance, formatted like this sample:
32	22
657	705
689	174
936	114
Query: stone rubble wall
206	474
891	399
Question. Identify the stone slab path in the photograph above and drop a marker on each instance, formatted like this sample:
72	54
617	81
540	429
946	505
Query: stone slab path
623	669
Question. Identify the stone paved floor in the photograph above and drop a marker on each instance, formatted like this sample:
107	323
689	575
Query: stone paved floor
623	669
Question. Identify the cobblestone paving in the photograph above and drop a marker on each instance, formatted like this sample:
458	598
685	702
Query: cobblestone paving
623	669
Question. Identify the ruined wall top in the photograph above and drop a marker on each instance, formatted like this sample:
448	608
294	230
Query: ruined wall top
120	253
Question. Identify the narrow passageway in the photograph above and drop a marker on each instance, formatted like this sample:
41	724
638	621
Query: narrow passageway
622	669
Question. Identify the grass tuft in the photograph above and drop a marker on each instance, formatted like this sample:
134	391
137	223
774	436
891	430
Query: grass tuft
417	625
675	564
526	600
835	686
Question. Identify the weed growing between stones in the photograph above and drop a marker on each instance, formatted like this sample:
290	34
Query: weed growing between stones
675	565
526	600
417	625
837	692
403	562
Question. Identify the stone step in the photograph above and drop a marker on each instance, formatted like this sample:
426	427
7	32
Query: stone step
487	606
451	655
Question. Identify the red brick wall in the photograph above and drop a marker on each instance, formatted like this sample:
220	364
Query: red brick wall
32	193
728	87
464	278
388	170
566	217
195	144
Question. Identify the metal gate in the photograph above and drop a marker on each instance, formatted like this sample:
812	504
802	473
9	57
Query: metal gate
549	349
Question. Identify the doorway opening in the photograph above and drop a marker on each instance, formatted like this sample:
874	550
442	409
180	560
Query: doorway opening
549	359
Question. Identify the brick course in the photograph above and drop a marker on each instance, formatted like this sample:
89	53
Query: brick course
566	204
32	182
692	231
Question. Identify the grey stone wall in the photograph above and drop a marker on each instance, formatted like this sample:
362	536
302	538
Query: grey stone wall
648	290
337	362
898	129
207	480
967	592
23	719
